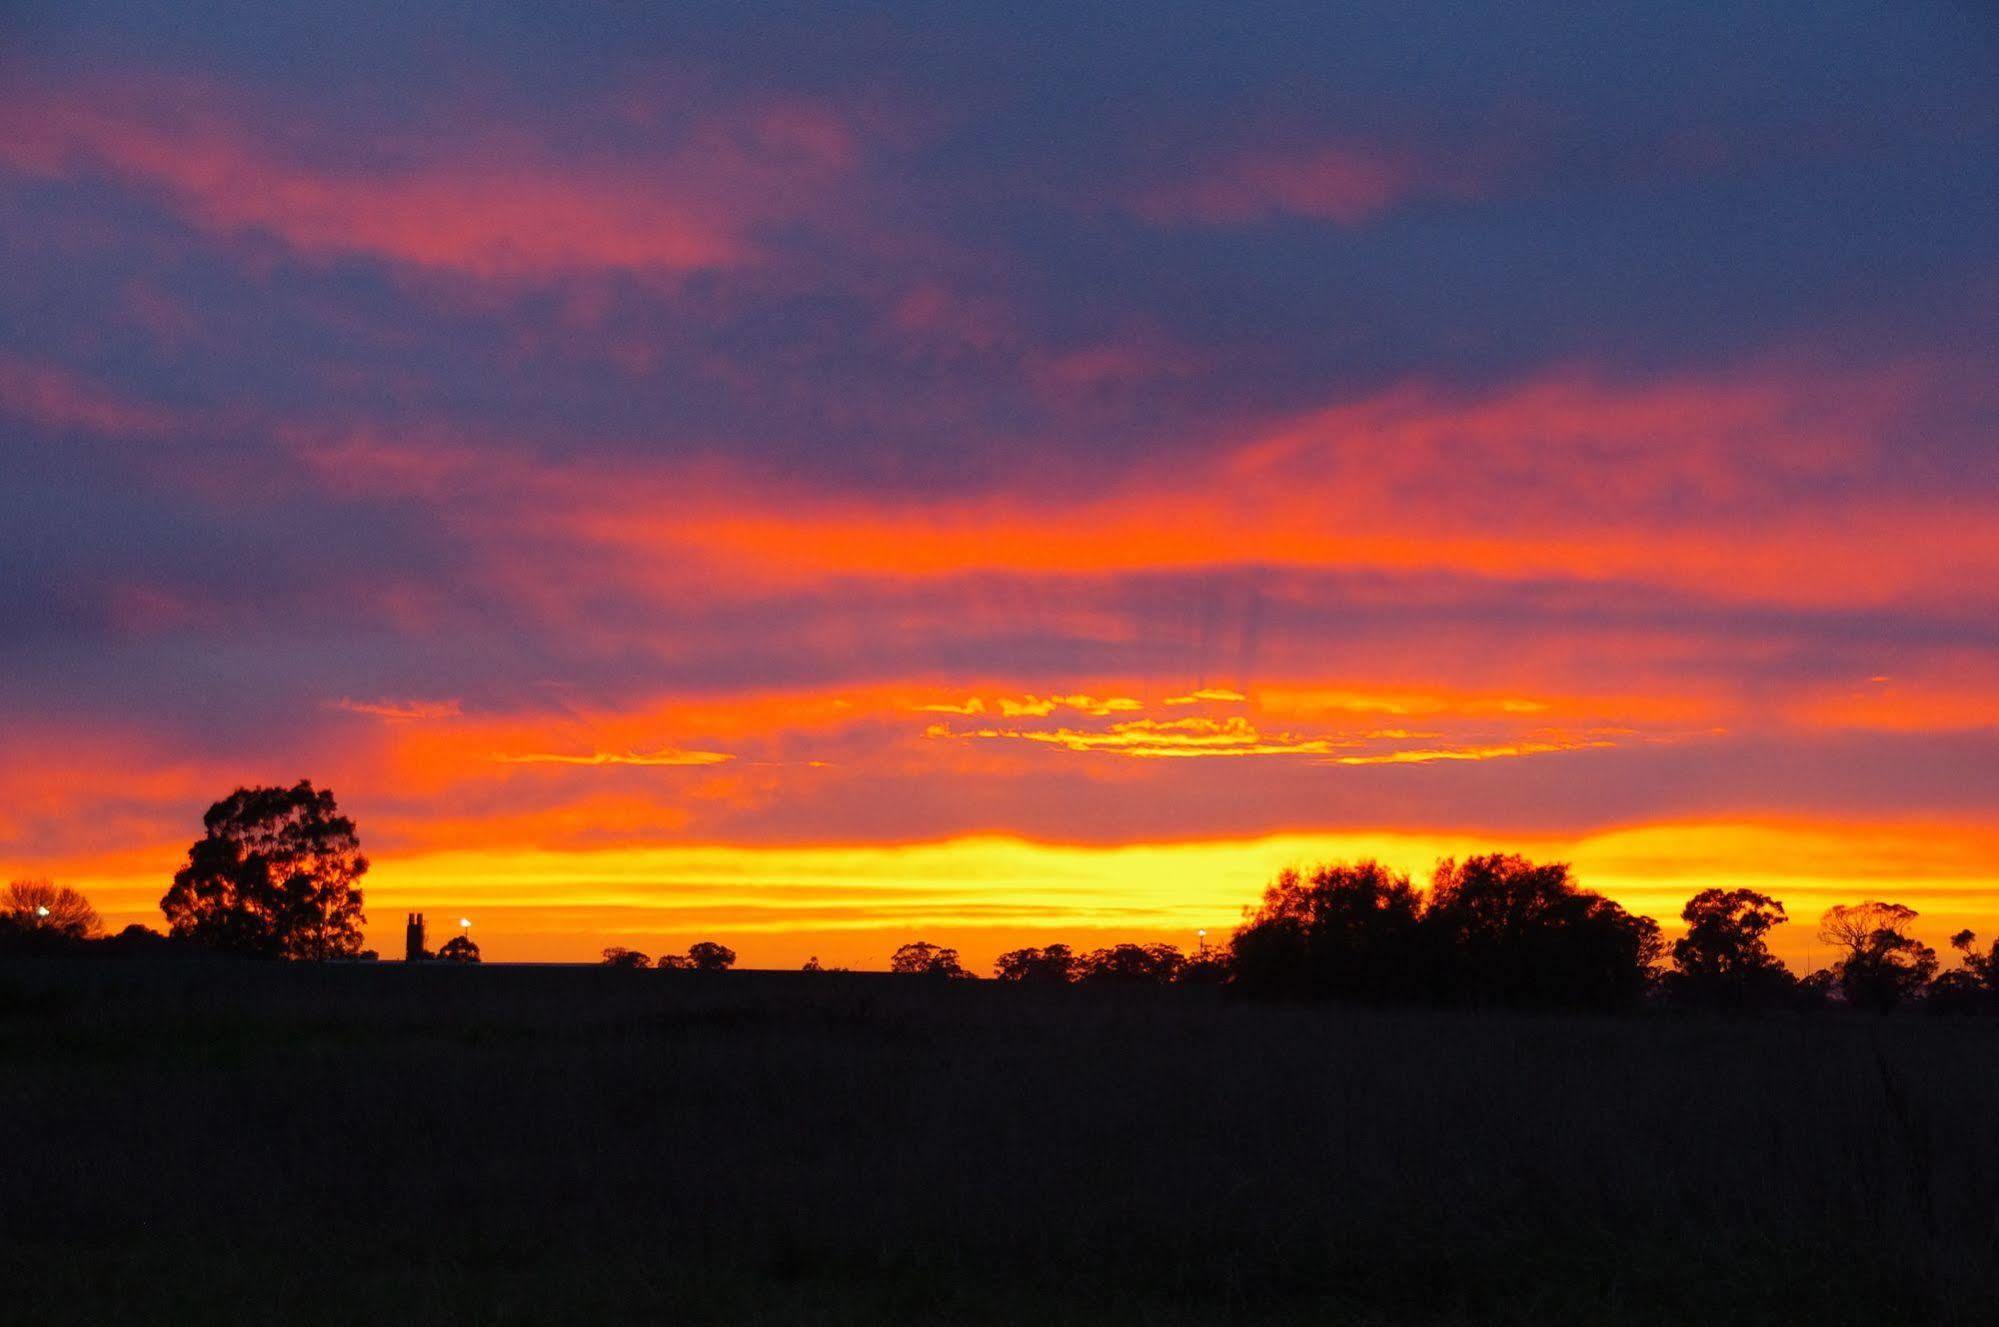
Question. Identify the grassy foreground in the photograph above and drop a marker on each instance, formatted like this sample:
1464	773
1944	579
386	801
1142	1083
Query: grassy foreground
224	1143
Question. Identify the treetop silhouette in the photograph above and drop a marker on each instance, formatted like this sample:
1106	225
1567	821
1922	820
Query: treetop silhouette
44	908
1883	965
276	874
920	958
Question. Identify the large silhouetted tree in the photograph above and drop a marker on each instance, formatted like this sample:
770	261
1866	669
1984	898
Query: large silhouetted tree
277	874
1344	932
42	908
1722	961
1053	965
1882	965
920	958
1499	929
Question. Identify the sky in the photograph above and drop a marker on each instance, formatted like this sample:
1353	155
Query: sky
818	476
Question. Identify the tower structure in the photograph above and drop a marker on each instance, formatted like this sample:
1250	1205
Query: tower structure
413	950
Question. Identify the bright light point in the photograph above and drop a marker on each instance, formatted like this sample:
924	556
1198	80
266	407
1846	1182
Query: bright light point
465	922
42	910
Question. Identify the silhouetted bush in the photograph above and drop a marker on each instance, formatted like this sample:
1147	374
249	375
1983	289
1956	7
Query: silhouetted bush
137	941
617	956
459	949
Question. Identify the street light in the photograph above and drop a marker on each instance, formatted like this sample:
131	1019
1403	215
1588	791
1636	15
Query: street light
464	923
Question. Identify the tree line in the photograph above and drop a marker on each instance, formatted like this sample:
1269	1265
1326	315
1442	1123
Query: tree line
277	874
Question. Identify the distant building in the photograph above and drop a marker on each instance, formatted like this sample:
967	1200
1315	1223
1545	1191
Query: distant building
413	950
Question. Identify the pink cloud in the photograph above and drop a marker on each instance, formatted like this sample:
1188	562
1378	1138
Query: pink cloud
468	194
54	397
1346	183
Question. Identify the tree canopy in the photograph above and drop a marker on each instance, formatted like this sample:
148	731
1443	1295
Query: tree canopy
1494	929
708	956
1054	964
1342	932
1723	960
1142	965
617	956
920	958
1883	965
459	949
276	874
44	908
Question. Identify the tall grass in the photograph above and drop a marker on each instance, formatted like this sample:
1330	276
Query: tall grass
252	1143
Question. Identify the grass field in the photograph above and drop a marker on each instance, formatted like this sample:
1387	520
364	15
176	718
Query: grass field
242	1143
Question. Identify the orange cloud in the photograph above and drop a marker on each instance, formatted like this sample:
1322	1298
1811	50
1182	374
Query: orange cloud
1565	479
1428	755
667	756
1155	738
1958	698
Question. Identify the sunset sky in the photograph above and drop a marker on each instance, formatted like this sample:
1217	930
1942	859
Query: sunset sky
820	476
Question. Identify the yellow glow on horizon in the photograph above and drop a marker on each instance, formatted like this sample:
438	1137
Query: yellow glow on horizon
853	903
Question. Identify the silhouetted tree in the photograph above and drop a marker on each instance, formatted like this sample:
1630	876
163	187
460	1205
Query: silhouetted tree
1815	990
276	874
1722	961
1982	968
923	959
1207	966
459	949
701	956
1345	932
1054	965
1884	965
707	956
1972	987
41	910
1151	965
1502	930
617	956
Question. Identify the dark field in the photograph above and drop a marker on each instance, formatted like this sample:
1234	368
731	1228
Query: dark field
210	1143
